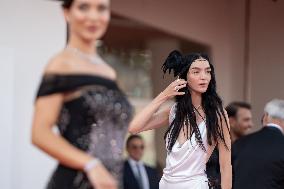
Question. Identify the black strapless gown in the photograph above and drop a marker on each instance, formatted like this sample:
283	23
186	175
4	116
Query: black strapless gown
96	122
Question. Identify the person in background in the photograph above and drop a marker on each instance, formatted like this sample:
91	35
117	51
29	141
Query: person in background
240	118
258	158
137	174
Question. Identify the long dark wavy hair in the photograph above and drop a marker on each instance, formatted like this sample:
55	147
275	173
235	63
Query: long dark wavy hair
184	115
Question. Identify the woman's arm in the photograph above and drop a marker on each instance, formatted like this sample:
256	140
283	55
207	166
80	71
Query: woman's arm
47	110
45	115
225	157
149	118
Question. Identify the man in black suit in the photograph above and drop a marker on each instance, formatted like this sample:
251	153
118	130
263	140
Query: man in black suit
258	159
136	174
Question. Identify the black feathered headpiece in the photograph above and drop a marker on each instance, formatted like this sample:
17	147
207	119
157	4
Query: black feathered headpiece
180	63
175	61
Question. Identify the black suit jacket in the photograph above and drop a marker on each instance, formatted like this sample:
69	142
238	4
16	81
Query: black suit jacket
258	160
130	182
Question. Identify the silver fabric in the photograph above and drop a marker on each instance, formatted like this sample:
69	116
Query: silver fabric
186	163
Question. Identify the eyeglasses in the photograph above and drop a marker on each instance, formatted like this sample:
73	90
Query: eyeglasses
136	147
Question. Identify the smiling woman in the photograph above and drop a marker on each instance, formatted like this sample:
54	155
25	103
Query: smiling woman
79	94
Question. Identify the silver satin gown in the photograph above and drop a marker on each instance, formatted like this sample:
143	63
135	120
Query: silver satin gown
186	164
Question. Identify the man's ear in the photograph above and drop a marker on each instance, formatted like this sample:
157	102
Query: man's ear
265	119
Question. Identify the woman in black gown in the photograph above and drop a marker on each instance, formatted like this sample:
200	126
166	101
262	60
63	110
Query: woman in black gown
79	94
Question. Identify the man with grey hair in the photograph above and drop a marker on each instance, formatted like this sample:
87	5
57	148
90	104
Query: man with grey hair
274	114
258	158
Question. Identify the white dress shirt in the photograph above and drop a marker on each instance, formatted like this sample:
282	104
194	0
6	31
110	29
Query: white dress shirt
133	164
276	126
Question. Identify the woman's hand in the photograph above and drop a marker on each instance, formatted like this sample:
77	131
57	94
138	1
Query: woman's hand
100	178
173	89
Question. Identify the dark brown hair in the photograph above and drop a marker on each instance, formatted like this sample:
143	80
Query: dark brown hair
131	137
66	4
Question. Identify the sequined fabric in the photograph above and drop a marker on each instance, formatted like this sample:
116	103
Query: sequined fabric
95	122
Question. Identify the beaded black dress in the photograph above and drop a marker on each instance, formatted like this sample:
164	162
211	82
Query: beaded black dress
96	121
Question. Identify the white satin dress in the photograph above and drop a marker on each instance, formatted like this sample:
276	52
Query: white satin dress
186	164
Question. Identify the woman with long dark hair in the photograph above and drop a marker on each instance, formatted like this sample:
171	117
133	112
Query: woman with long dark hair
79	94
197	123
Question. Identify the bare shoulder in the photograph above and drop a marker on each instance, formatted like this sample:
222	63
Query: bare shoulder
226	119
225	112
59	64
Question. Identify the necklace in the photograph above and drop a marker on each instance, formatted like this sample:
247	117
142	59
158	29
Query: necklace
196	111
197	107
94	59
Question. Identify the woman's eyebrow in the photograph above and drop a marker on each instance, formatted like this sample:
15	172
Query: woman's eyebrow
197	68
